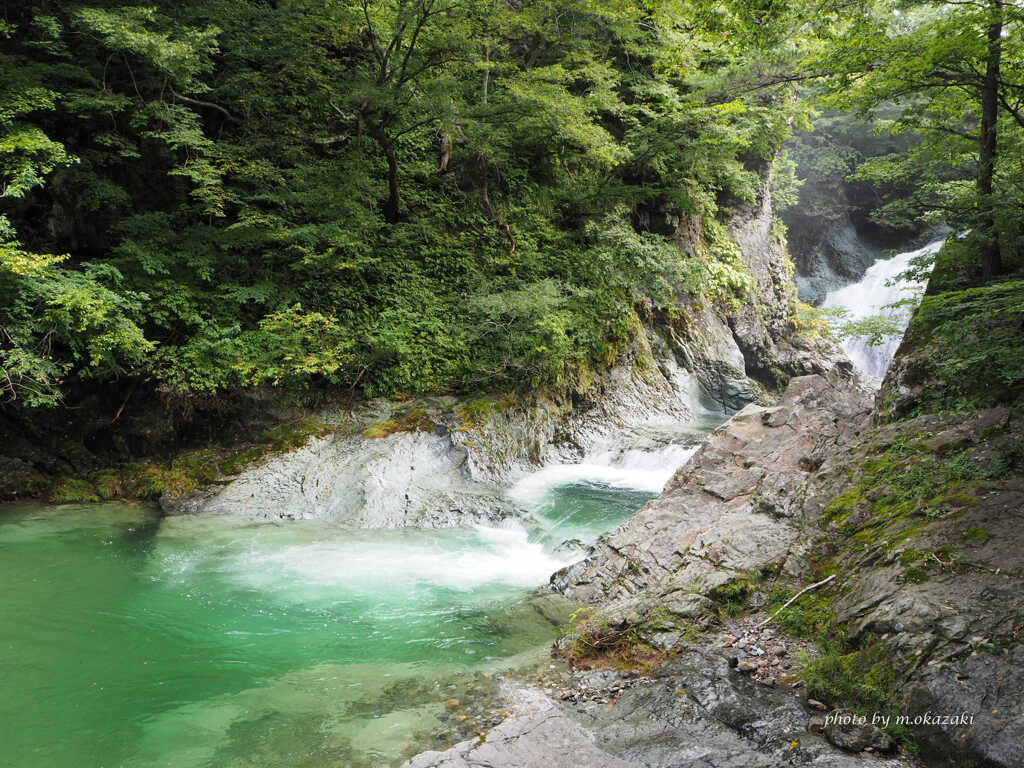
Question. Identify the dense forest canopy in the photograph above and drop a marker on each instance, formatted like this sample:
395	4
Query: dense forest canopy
447	195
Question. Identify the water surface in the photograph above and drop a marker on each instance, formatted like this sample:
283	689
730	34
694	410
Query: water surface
137	642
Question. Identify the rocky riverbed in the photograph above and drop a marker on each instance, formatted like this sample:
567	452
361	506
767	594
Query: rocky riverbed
912	532
696	710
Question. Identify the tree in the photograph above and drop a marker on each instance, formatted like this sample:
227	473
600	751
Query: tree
358	193
955	73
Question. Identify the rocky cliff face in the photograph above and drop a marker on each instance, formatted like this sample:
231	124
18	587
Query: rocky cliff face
736	507
925	530
439	462
917	523
707	360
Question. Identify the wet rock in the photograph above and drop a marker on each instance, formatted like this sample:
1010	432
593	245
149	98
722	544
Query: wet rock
442	462
19	479
971	711
538	735
570	545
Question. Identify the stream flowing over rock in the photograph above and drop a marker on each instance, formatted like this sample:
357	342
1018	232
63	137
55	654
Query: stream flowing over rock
876	293
769	492
441	462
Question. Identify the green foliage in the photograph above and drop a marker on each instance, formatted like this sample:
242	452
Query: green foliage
809	617
74	491
922	72
970	340
727	281
149	480
732	598
55	320
786	185
874	330
863	681
597	642
401	196
814	321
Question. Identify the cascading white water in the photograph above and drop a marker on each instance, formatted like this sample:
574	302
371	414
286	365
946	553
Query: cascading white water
573	504
634	469
871	296
643	461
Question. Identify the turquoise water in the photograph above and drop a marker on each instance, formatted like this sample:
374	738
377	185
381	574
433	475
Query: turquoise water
127	640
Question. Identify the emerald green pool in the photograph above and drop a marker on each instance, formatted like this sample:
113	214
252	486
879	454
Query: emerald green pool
127	640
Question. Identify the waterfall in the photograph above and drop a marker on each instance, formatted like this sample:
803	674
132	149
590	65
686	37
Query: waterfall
871	296
643	460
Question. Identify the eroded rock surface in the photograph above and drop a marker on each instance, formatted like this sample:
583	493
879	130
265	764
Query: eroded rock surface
694	711
734	508
921	521
442	462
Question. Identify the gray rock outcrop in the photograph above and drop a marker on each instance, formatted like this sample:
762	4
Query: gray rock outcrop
735	507
693	711
921	521
442	462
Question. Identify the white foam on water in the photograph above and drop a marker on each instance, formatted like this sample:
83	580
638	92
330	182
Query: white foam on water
633	469
871	296
309	559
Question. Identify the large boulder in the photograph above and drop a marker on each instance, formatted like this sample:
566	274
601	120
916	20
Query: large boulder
734	508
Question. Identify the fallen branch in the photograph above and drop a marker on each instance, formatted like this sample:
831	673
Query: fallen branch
794	598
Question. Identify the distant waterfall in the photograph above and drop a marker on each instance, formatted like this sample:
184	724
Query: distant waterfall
870	296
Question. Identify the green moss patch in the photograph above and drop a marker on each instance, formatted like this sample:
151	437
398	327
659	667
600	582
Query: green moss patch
966	344
976	534
151	479
413	420
864	681
74	491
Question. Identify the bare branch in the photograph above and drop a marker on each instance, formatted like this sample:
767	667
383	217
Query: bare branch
207	104
794	598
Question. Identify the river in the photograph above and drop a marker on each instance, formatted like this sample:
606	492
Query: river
136	641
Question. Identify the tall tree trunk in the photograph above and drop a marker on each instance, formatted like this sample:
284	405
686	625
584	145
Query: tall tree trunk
487	72
394	202
486	198
991	260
